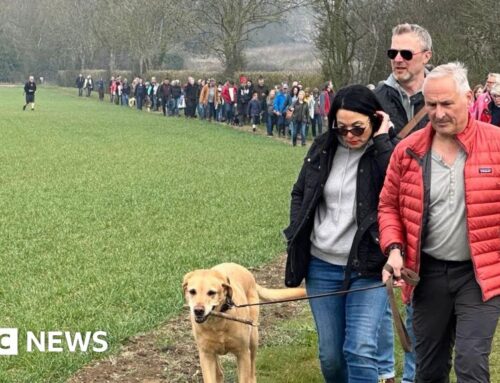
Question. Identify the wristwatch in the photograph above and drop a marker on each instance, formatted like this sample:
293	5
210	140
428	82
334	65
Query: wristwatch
393	246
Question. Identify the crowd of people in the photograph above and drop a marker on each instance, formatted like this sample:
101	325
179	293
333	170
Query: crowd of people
386	187
288	111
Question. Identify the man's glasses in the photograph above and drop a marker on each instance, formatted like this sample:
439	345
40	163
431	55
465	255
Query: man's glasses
406	54
355	131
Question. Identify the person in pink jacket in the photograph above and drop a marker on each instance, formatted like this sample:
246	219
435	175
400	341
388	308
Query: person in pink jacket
483	100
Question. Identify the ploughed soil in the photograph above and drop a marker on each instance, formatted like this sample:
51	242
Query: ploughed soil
169	354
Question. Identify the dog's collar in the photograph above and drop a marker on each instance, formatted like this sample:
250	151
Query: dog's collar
227	305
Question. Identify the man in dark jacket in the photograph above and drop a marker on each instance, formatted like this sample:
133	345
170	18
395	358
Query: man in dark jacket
402	98
244	97
262	92
80	81
165	93
190	94
140	93
401	94
176	95
29	91
100	89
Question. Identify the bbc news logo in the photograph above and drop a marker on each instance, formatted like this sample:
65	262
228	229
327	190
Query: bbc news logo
8	341
52	341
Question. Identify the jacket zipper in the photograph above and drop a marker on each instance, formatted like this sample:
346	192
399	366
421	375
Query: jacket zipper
421	164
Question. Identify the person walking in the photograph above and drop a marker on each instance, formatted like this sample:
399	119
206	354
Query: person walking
439	215
80	81
332	238
29	91
402	98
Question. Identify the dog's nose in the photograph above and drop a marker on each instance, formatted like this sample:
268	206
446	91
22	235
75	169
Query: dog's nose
199	311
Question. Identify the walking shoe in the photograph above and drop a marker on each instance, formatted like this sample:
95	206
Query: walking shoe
388	380
24	107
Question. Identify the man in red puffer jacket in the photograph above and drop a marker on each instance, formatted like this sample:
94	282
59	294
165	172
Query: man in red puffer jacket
439	215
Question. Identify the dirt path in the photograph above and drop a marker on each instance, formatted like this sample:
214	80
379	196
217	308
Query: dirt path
169	354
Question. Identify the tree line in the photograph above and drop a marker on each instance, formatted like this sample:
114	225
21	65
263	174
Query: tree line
350	36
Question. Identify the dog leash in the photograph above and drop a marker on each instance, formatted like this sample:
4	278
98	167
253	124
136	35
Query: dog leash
409	276
327	294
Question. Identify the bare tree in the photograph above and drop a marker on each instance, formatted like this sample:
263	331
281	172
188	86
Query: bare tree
226	26
349	38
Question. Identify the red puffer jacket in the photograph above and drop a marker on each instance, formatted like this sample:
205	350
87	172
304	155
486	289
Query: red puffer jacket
402	206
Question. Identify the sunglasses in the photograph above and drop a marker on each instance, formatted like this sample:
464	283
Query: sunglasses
406	54
355	131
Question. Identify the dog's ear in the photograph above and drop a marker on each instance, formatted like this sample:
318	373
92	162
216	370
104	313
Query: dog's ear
228	289
185	281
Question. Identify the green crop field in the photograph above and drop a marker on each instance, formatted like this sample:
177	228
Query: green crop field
102	211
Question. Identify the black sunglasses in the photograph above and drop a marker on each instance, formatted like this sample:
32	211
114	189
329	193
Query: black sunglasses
355	131
405	53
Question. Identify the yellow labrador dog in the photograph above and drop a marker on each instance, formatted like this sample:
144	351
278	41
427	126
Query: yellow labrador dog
214	290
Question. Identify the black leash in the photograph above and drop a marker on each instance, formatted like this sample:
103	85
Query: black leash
328	294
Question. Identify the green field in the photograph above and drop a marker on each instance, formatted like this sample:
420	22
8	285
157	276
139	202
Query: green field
103	210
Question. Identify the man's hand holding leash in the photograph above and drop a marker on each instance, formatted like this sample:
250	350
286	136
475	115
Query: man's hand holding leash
394	265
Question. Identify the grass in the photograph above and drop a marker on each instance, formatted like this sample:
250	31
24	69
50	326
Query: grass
104	209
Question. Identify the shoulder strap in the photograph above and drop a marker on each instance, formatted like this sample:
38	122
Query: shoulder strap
411	124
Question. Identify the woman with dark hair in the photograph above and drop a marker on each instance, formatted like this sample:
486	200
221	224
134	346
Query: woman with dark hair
333	234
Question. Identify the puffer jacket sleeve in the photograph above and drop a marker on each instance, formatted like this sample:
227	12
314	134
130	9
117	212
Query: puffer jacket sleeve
389	218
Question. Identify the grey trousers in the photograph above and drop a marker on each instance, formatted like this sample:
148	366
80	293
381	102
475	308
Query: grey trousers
449	312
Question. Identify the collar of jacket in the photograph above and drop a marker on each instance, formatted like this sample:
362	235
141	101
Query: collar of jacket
423	143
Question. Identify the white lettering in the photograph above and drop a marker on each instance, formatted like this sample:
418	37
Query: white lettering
78	341
31	340
102	342
54	338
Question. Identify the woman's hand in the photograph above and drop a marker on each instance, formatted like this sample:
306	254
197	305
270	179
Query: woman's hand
385	124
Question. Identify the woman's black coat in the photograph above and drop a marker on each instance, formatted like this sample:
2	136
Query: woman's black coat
365	257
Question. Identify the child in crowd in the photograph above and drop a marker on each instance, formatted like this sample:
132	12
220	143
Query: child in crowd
254	110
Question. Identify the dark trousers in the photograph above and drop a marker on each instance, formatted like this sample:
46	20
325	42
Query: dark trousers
210	111
449	312
190	110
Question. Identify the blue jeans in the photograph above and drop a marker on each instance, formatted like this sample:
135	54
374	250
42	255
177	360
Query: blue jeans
220	112
170	106
347	325
138	101
124	99
175	106
409	363
317	121
294	127
272	120
201	111
229	112
386	347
